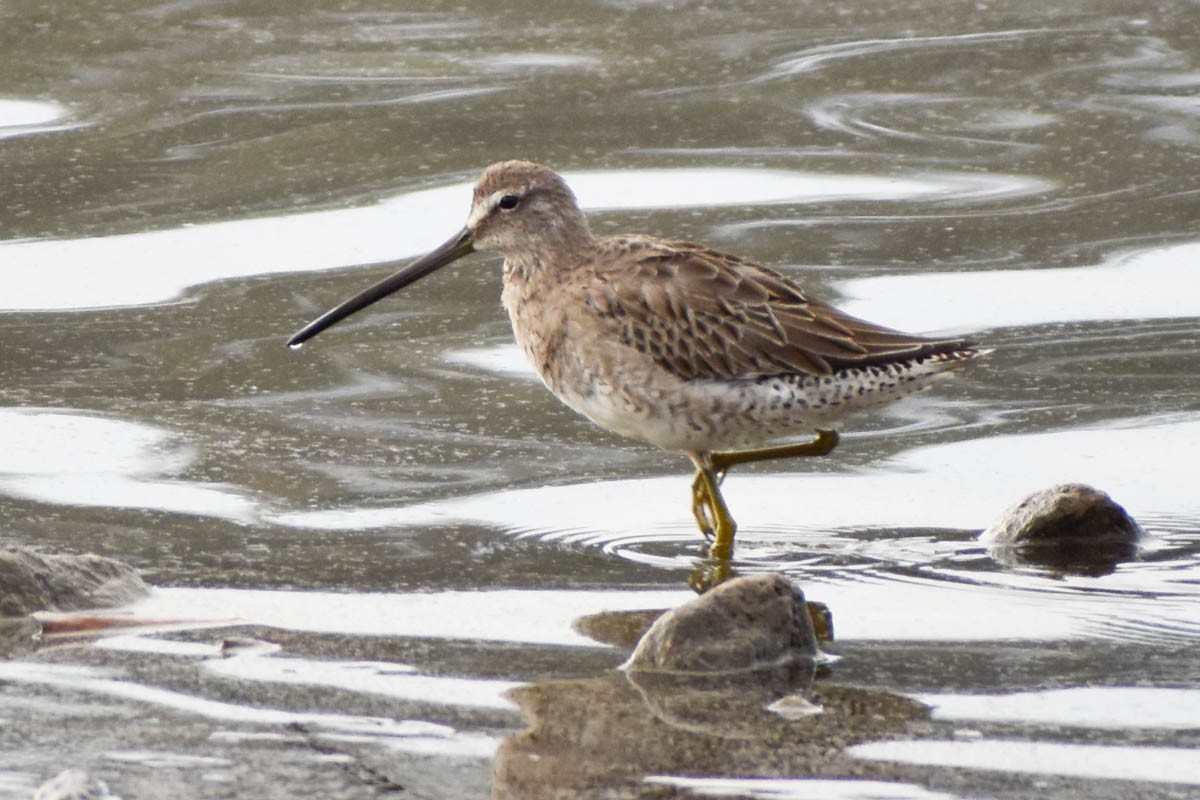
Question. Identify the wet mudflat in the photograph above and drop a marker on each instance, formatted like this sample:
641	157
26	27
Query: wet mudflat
387	532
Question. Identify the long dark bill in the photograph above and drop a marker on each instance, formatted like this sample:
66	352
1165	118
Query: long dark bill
462	244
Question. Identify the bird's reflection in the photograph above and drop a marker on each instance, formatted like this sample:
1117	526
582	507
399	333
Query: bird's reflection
601	737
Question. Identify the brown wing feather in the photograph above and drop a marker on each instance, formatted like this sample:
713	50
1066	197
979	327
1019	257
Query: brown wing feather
704	314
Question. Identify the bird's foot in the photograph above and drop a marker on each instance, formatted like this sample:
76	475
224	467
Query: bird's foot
712	515
701	507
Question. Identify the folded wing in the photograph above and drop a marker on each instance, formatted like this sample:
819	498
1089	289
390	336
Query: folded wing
704	314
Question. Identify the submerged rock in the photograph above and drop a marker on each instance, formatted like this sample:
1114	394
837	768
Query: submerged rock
1070	527
745	623
32	580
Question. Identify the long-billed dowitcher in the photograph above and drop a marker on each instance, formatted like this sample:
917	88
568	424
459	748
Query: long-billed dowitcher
690	349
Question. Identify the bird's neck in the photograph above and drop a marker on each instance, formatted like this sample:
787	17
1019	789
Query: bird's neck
553	252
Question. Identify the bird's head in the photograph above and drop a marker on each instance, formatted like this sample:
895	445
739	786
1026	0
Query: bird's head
520	209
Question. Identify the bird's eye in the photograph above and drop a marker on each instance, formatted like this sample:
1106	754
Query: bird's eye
508	202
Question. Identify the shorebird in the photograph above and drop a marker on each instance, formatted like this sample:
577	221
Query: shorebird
691	349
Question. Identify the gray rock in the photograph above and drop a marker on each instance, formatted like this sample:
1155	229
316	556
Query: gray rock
31	580
18	635
1071	526
74	784
746	623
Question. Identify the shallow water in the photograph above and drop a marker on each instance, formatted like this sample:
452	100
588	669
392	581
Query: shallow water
409	523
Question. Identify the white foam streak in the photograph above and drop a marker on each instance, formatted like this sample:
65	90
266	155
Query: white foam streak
93	681
23	117
1105	707
159	266
516	615
1156	283
799	789
1106	762
388	680
78	459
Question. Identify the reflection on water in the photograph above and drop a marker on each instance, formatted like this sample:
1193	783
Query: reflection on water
185	183
601	737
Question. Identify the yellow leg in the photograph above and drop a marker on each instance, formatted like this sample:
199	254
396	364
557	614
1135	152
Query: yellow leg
825	442
712	515
708	506
700	506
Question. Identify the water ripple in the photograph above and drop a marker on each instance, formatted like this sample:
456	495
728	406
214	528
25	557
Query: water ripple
890	563
816	58
850	114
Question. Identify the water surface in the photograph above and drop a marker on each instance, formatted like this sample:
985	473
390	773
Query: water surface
359	547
